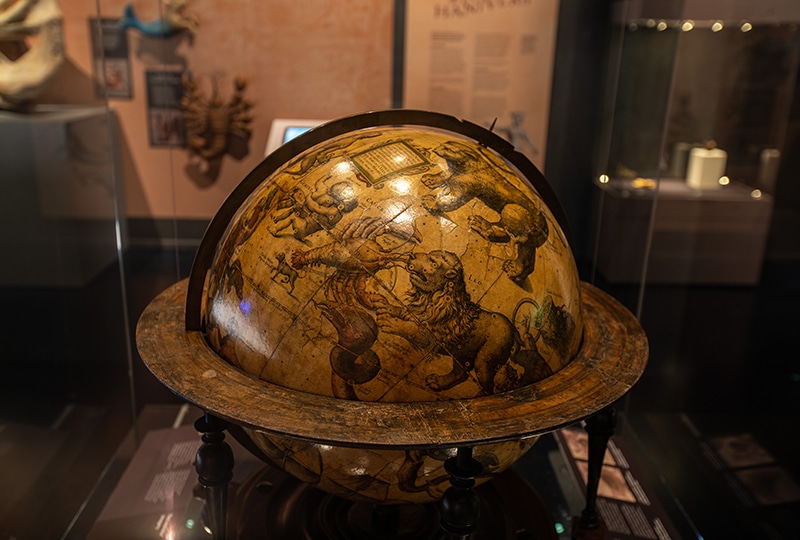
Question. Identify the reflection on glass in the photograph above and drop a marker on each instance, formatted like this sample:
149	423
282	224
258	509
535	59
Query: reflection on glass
728	82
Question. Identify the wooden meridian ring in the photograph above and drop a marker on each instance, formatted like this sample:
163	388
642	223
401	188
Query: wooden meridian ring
611	359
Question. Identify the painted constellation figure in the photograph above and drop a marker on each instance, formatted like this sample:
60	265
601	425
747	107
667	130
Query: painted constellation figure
355	258
470	176
303	215
284	273
441	316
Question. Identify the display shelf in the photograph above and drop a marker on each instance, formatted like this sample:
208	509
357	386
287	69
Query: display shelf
710	236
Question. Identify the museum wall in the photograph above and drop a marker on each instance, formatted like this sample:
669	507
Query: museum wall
291	54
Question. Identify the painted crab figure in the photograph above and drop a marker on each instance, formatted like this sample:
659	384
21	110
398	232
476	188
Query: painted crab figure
356	258
211	122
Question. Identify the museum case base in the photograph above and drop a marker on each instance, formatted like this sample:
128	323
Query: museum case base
272	504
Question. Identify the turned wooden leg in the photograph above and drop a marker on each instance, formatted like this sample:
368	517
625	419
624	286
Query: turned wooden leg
600	428
460	503
214	465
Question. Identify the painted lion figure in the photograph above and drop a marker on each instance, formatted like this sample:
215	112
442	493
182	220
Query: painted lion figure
441	317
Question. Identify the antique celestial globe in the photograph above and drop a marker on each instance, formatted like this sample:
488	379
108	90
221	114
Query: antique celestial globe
385	289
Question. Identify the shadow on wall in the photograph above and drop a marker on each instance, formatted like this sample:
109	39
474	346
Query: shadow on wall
72	87
163	52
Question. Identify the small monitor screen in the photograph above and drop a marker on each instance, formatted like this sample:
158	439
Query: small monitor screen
293	131
284	130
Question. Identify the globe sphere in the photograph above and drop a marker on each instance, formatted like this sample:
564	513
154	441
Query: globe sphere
393	264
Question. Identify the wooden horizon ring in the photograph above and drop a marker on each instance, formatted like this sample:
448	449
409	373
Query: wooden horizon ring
611	359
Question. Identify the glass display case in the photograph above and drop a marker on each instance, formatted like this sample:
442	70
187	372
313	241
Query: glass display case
698	123
668	130
692	210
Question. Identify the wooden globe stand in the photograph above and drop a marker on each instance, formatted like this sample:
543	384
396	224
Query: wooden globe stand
272	504
214	464
600	428
611	359
604	360
460	507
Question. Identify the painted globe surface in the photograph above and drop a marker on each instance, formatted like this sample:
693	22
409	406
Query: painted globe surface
393	264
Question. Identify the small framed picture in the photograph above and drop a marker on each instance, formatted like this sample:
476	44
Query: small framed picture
164	114
112	67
